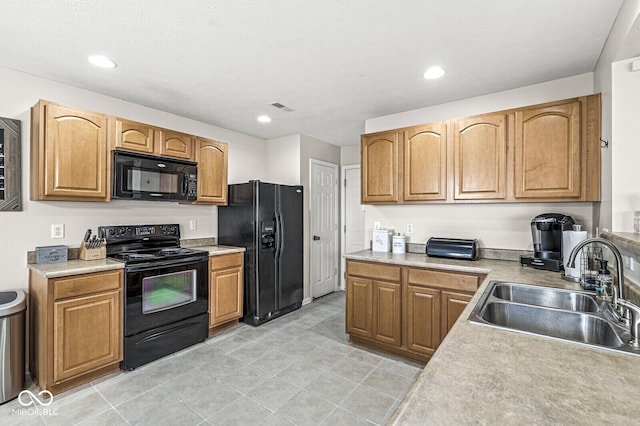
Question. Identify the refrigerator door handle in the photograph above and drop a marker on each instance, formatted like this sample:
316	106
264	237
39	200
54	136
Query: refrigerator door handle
278	235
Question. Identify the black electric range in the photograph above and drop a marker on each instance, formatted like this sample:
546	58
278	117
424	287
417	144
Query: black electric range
166	290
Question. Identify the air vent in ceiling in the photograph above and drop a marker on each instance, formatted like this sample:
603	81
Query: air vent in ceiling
282	107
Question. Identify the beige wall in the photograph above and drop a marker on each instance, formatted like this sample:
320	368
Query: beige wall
283	160
311	148
602	80
625	148
503	226
350	155
23	231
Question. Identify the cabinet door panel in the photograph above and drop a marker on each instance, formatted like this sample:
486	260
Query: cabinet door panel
547	151
86	334
425	162
212	160
423	319
380	175
480	157
452	306
225	297
359	306
174	144
75	153
134	136
387	315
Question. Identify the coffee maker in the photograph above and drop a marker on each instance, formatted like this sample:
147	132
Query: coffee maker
546	231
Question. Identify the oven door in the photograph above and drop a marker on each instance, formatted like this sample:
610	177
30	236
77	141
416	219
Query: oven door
162	292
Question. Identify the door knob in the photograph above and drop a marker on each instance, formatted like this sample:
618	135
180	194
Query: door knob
316	238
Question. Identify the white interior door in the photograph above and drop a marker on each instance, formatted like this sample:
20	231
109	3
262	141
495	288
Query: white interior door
324	228
352	214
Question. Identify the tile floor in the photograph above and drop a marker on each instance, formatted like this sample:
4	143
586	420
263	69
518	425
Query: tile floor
296	370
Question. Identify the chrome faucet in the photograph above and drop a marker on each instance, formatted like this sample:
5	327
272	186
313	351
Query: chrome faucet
635	321
622	310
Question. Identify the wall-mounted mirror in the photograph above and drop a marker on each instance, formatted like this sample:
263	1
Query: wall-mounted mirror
10	185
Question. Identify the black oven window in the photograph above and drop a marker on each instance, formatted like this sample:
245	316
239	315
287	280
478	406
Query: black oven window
162	292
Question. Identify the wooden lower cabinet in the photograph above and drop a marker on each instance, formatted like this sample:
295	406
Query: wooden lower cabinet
423	319
359	312
75	328
386	312
409	316
452	306
226	284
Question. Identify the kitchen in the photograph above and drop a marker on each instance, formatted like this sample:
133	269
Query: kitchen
496	225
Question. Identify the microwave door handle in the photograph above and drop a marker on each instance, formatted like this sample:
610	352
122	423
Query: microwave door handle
153	194
185	183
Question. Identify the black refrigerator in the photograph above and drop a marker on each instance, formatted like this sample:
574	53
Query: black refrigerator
266	219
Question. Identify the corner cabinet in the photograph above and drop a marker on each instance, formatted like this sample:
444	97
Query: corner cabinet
69	158
226	284
404	310
212	159
548	151
75	328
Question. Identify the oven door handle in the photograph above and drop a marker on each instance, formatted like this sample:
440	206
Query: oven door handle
155	265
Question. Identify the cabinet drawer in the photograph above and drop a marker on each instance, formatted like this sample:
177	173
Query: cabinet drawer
446	280
86	284
225	261
374	270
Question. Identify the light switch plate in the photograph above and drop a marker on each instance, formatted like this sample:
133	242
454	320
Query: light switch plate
193	225
409	228
376	225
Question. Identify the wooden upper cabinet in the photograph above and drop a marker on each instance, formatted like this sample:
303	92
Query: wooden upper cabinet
425	162
380	154
68	154
212	159
134	136
480	157
175	144
140	137
548	155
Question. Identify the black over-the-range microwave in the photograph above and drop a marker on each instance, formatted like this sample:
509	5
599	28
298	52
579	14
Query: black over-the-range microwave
149	177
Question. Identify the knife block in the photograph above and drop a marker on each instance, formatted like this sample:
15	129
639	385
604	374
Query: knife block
96	253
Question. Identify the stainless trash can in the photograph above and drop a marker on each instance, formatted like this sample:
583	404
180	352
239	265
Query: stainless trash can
13	305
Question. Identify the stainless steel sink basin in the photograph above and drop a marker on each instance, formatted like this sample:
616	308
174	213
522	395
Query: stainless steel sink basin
574	316
576	326
546	296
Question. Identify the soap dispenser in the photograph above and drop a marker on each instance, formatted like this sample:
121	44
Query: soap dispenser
604	283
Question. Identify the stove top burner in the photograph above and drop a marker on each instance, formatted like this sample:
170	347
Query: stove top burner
156	254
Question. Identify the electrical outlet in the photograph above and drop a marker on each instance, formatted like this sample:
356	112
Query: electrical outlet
409	228
376	225
57	230
631	266
193	224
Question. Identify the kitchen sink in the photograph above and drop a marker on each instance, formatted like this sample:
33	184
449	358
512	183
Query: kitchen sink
574	316
546	296
568	325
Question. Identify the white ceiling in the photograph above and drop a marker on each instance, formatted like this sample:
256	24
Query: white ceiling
334	62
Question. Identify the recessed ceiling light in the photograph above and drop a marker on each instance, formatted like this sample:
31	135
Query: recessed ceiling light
101	61
433	72
264	119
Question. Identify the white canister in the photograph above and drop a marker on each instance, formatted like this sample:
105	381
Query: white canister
382	240
399	244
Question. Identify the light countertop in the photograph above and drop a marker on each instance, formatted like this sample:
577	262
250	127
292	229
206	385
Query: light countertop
78	266
483	375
